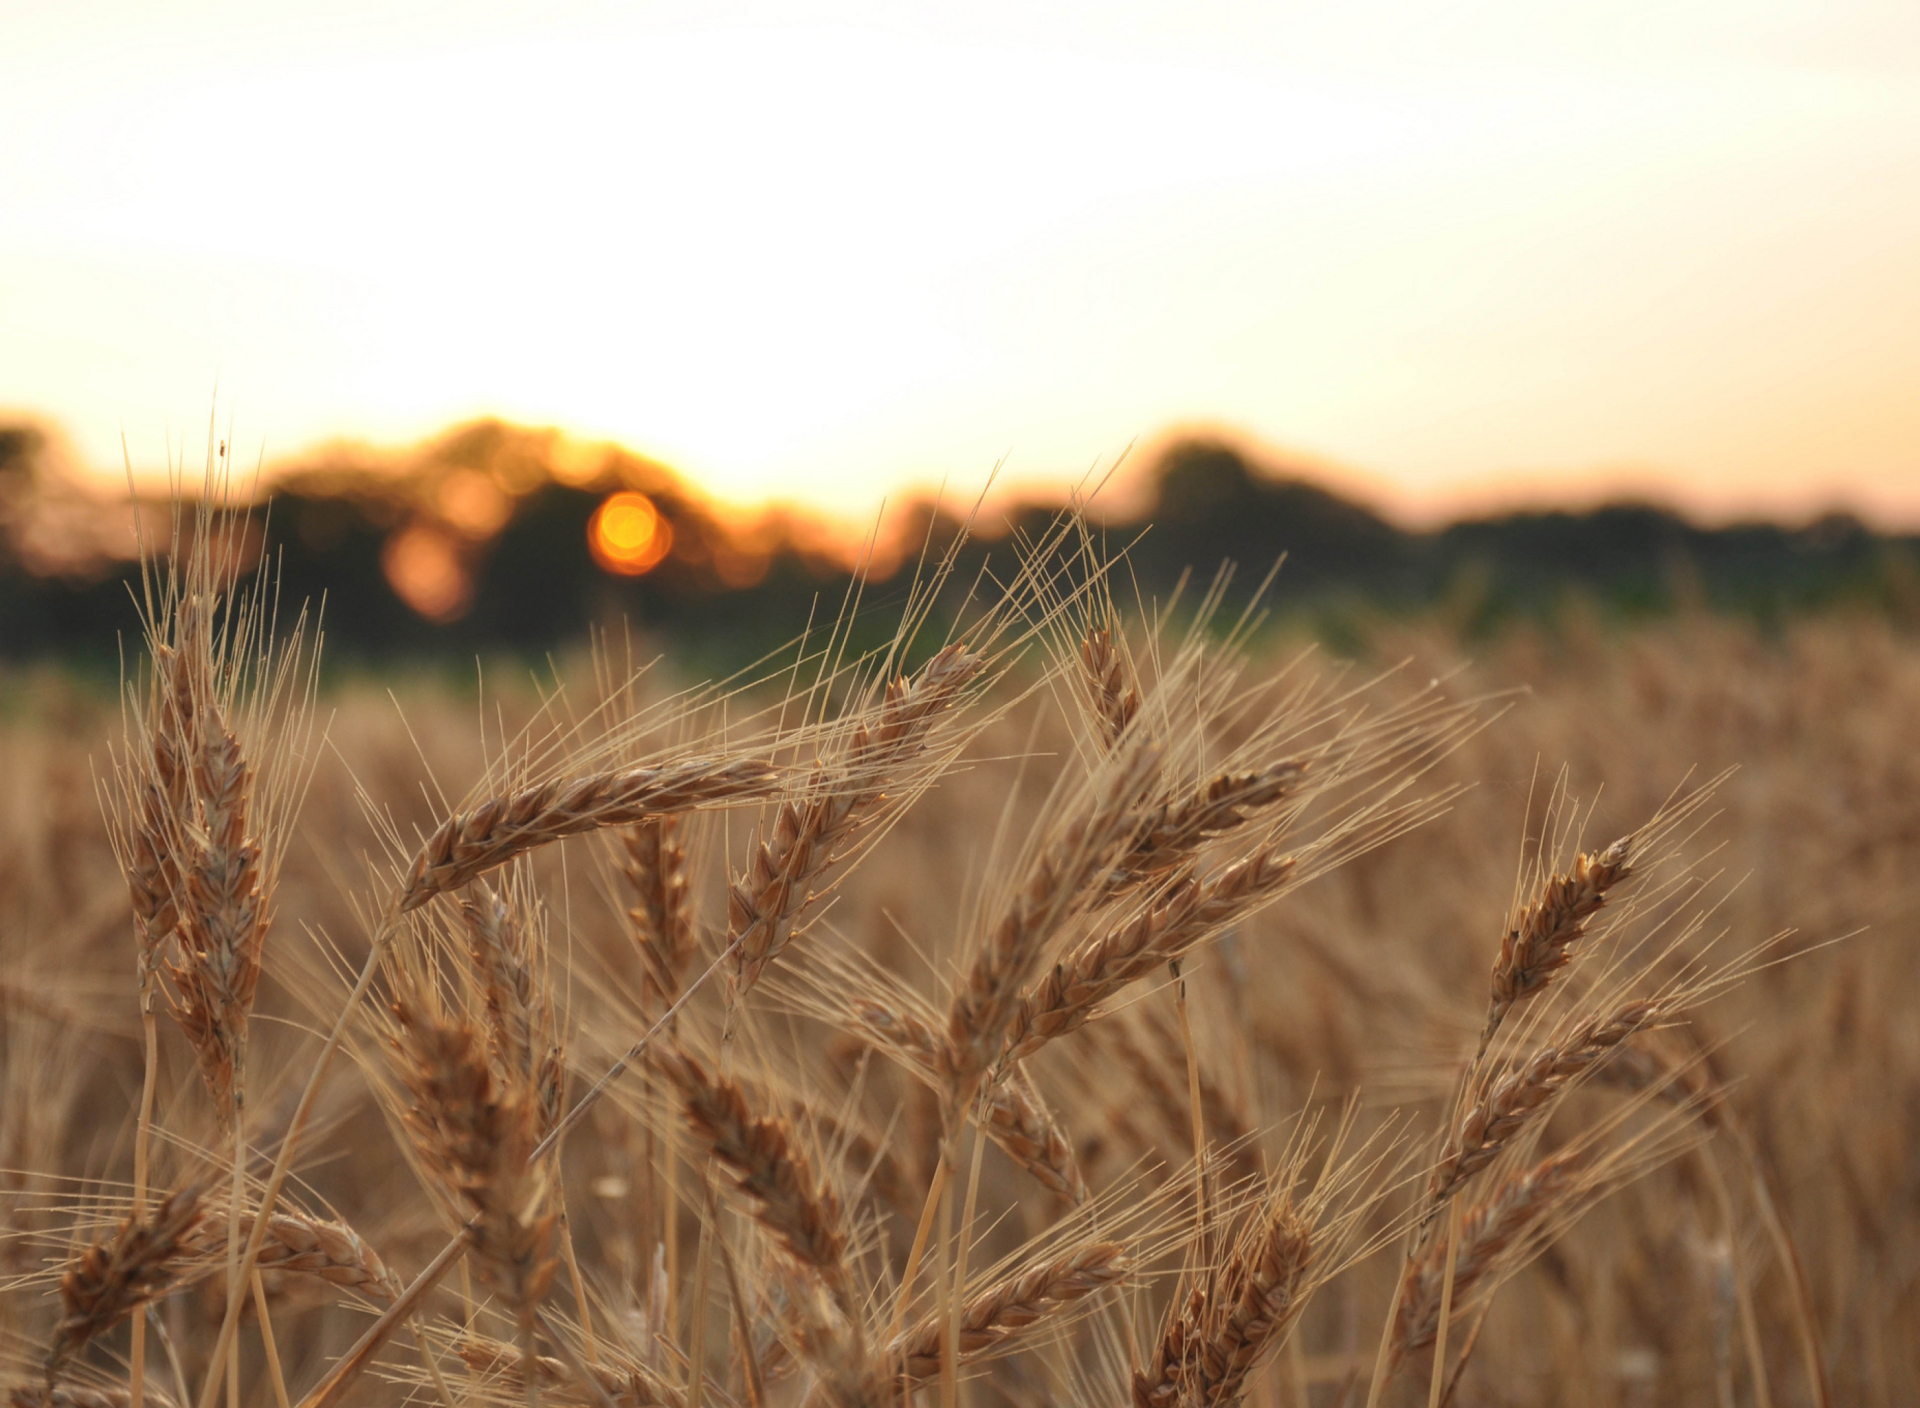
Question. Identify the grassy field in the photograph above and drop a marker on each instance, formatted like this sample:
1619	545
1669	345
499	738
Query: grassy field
1083	1015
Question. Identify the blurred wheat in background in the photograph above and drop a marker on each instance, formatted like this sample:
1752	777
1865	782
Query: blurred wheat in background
1074	1000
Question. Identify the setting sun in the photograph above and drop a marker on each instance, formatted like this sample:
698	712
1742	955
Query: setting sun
628	535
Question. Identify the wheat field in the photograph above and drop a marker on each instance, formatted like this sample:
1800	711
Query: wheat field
1074	1002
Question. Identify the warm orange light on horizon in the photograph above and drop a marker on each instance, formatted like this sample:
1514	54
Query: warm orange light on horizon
423	566
628	536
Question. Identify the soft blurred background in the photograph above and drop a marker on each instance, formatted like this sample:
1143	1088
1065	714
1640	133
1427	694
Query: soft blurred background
1497	306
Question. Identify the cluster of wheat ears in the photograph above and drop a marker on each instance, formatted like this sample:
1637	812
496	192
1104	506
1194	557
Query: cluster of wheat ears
826	1162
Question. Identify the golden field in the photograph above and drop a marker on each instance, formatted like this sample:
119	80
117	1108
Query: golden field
1137	1039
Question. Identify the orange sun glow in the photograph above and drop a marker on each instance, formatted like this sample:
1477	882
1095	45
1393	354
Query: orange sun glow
628	535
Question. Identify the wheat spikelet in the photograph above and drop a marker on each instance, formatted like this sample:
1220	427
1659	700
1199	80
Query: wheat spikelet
222	927
628	1384
1116	699
1189	911
518	1003
1212	1340
1000	1312
1539	943
656	869
76	1396
802	1214
1513	1100
1491	1228
1056	886
469	844
111	1279
1015	1118
1174	831
808	837
297	1244
475	1131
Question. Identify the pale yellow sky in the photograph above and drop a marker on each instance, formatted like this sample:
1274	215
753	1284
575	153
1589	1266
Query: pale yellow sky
816	251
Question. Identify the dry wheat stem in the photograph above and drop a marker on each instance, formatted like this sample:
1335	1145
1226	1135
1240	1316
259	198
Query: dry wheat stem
998	1314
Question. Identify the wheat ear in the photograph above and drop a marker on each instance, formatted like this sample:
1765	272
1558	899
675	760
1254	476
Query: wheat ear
296	1244
1116	698
469	844
1188	912
798	1210
662	914
111	1279
1514	1100
1488	1231
1056	886
628	1384
1174	832
1015	1117
475	1132
1011	1305
1212	1341
807	837
1540	941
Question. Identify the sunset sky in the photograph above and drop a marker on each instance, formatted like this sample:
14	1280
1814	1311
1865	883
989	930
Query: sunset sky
1462	254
